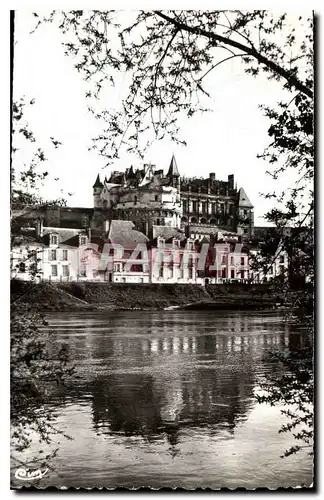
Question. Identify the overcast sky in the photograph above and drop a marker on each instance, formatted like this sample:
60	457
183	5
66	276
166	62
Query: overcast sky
225	141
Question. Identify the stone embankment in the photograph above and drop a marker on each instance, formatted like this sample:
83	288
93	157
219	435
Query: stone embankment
106	296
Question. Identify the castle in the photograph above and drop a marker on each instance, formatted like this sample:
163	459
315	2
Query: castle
162	212
149	197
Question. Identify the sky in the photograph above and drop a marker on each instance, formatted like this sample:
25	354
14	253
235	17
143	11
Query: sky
225	141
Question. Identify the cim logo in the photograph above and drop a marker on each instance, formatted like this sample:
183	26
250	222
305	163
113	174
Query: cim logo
29	475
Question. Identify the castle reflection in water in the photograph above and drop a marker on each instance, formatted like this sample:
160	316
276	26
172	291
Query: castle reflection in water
156	376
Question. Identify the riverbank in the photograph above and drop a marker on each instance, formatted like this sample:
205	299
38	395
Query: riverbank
106	296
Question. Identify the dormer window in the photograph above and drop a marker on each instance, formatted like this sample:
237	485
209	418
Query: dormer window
54	239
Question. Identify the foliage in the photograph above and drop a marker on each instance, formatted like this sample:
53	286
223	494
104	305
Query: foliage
28	172
165	58
295	390
36	370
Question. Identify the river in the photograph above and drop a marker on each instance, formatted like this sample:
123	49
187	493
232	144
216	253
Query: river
166	399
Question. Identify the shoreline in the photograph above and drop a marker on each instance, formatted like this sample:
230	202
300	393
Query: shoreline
94	296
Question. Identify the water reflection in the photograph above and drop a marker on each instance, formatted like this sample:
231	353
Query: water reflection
158	375
167	399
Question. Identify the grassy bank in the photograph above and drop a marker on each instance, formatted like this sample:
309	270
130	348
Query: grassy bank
107	296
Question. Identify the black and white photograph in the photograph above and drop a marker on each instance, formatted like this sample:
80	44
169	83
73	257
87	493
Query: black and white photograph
162	245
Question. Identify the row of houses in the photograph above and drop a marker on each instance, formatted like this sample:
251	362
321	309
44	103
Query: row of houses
126	255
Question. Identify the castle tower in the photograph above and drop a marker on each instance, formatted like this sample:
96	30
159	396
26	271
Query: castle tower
173	174
245	215
97	189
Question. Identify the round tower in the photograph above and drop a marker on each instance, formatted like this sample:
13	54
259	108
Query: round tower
97	189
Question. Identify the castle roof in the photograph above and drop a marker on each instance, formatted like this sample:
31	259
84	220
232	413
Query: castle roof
98	182
66	237
244	200
173	168
168	233
122	232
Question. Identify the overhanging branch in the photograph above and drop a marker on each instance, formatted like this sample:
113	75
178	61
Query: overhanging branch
291	79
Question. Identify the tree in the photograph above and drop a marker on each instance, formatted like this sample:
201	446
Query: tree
28	160
167	57
36	367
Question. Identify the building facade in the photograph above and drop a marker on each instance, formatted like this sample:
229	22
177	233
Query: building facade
148	196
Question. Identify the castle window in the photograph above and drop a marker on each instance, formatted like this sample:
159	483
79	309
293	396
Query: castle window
66	271
136	268
54	270
54	239
22	267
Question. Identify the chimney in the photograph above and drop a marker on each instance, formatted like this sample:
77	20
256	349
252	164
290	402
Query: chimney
39	228
212	176
231	181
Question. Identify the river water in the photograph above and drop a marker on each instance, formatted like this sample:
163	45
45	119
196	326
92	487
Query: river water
166	399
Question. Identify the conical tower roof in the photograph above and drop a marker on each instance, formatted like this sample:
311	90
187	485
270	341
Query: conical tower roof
131	173
243	200
98	182
173	168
